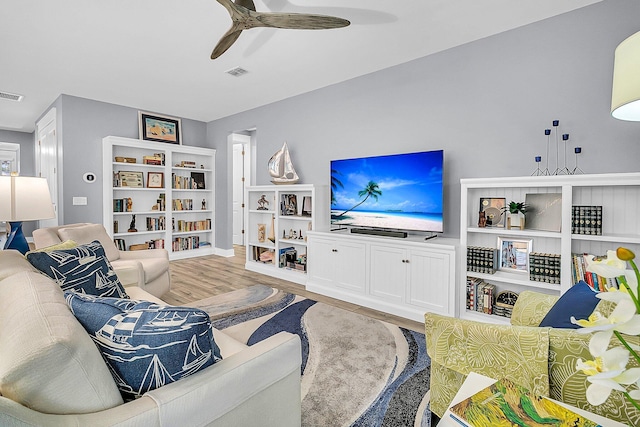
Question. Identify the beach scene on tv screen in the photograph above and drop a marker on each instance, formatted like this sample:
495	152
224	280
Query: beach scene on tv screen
402	191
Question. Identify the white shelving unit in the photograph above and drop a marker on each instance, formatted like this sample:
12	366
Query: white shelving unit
618	194
284	227
200	215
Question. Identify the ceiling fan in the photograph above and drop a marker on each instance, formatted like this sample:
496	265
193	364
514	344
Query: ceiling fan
244	16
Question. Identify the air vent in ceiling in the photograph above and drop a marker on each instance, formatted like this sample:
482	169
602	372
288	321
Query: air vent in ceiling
11	96
237	71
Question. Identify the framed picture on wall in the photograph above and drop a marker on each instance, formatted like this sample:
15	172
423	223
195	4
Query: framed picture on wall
154	127
514	254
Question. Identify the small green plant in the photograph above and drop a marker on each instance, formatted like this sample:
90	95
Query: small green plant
515	207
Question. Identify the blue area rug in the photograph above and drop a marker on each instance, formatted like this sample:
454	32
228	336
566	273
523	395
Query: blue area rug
356	371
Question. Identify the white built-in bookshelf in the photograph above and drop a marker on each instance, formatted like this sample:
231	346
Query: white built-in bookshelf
617	194
162	185
276	230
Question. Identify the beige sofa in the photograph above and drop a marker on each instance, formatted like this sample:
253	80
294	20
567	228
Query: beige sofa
147	269
52	374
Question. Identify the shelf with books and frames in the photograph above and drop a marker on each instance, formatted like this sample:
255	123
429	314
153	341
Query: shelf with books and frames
278	218
566	217
160	195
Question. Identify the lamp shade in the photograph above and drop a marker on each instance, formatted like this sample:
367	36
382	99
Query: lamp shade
24	198
625	97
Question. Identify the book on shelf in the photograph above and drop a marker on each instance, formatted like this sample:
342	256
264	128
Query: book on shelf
586	220
506	403
597	283
544	267
482	260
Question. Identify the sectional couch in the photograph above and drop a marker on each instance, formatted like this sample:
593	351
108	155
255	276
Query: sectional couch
52	374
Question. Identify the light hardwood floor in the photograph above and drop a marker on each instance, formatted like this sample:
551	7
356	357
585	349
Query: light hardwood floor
197	278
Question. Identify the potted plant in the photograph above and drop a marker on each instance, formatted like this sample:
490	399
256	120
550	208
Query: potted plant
515	217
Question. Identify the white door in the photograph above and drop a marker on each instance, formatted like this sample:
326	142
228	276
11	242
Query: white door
240	176
47	160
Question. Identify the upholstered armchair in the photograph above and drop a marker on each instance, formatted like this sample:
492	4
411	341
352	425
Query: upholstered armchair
542	359
148	269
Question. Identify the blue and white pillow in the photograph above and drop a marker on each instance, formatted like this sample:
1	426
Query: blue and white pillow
84	269
146	345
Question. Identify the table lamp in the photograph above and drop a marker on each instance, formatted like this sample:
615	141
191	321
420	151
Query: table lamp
23	198
625	96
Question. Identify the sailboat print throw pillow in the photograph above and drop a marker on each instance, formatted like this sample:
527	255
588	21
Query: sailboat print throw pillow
146	345
83	269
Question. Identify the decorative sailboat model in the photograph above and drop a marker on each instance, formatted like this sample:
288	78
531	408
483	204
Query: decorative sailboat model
280	167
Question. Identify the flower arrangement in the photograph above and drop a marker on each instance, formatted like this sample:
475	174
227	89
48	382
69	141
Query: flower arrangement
608	370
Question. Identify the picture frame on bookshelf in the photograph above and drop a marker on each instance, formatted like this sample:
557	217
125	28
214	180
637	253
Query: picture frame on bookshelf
155	179
544	211
289	204
198	178
493	208
306	206
513	254
132	179
155	127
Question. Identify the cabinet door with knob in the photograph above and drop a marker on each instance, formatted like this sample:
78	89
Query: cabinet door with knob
389	272
340	263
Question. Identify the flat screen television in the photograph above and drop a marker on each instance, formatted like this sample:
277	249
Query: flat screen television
392	192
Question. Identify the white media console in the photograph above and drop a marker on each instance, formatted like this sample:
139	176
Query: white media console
404	277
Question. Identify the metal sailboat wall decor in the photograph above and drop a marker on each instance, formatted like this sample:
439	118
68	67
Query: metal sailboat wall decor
280	167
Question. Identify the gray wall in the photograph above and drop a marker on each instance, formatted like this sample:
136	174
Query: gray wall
486	104
83	124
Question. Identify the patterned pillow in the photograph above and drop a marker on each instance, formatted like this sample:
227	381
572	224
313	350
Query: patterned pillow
146	345
83	269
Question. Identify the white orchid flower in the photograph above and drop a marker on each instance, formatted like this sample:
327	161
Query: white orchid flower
609	266
606	373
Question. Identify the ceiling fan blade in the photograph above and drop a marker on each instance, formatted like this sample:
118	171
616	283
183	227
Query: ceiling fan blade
300	21
225	42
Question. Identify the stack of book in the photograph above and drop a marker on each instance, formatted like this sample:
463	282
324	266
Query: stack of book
185	243
187	164
482	260
597	283
194	225
154	224
480	295
544	267
586	220
156	159
183	182
182	204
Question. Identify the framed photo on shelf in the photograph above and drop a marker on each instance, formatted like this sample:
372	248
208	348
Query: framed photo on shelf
154	127
155	179
289	204
544	211
513	254
131	179
492	208
306	206
198	178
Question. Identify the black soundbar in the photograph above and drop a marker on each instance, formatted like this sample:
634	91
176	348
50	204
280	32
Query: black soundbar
374	232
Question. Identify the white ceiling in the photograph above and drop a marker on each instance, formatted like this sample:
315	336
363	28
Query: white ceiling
154	54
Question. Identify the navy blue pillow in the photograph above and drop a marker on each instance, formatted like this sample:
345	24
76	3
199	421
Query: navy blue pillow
146	345
83	269
579	301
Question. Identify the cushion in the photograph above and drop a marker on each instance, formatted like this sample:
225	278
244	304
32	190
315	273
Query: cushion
146	345
87	234
579	301
12	262
48	360
84	268
67	244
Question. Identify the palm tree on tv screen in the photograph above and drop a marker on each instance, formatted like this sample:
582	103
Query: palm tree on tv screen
371	190
335	183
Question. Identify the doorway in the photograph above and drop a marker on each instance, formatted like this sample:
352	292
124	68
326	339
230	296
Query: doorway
241	177
47	160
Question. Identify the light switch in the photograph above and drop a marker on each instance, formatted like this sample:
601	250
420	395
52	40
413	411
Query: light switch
79	201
